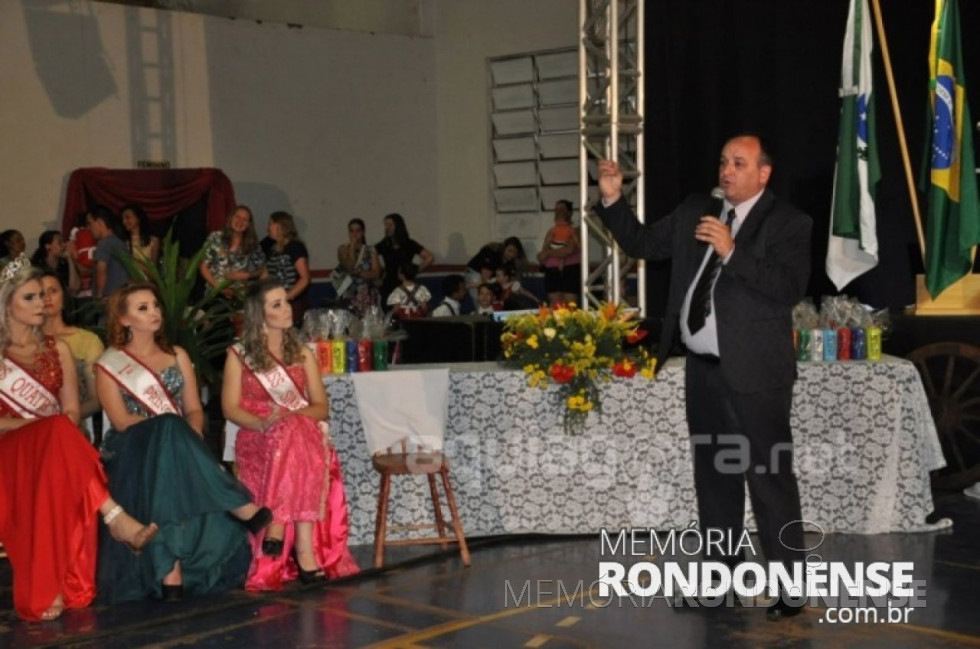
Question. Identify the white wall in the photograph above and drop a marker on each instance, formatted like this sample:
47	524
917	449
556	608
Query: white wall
468	32
323	123
65	102
328	125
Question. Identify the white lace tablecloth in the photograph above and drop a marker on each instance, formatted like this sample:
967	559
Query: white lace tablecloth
865	443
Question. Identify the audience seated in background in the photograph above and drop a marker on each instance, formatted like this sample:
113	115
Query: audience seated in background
453	290
108	272
233	253
287	261
409	299
144	247
397	249
512	294
488	299
81	251
12	246
52	256
358	268
561	257
483	266
85	346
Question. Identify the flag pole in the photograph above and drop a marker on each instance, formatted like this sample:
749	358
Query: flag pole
886	58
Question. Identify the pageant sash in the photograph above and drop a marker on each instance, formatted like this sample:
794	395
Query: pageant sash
24	394
139	381
276	382
341	279
280	386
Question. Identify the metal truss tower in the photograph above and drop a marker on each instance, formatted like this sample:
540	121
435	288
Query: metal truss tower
611	103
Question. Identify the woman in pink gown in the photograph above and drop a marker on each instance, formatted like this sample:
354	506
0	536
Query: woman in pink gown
272	390
52	485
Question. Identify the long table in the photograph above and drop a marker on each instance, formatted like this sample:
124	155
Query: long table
865	444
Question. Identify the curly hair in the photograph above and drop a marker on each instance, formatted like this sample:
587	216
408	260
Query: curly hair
254	340
7	289
117	335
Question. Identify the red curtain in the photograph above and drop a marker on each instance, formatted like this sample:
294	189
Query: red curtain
161	192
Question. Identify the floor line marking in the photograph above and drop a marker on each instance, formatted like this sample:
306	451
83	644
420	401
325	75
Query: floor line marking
408	603
458	625
360	617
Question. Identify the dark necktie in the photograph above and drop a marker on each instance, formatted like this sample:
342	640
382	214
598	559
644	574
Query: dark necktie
701	297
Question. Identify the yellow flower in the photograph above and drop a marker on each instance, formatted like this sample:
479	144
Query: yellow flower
529	369
532	342
549	333
650	370
538	379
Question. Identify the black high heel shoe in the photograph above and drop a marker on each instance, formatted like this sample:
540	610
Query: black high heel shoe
259	521
172	593
308	576
272	547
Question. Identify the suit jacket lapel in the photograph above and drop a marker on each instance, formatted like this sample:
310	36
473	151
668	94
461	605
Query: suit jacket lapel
756	216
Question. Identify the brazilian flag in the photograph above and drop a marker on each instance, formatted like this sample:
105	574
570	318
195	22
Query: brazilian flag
953	223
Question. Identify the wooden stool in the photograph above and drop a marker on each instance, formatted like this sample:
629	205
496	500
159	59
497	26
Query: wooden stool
428	463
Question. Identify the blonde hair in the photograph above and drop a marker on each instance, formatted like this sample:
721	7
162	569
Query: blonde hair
8	287
254	340
287	228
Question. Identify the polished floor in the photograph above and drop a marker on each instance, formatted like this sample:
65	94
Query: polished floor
531	592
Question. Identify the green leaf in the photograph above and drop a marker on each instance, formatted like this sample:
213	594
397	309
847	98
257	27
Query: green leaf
203	328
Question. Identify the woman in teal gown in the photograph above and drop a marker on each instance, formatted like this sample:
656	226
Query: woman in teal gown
158	463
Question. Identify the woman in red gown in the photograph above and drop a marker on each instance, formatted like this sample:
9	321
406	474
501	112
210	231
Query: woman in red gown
51	480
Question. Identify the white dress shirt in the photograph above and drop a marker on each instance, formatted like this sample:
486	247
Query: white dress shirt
705	341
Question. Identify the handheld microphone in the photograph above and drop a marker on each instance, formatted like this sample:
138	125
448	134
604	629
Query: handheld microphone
717	200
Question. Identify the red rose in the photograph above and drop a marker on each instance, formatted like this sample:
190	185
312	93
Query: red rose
624	368
636	336
561	373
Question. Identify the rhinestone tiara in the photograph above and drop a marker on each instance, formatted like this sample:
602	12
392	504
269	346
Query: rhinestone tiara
13	268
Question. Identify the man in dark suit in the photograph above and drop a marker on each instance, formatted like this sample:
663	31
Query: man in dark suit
730	302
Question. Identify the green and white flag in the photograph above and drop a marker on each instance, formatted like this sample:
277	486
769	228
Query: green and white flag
853	245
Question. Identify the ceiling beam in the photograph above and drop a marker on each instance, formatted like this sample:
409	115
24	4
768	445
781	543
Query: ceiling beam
403	17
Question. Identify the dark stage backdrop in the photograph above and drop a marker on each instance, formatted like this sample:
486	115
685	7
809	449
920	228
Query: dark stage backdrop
718	67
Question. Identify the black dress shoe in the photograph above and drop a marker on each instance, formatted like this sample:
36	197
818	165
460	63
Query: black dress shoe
782	609
308	576
172	593
259	521
272	547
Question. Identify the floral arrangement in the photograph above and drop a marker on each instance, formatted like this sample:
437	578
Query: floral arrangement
575	350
